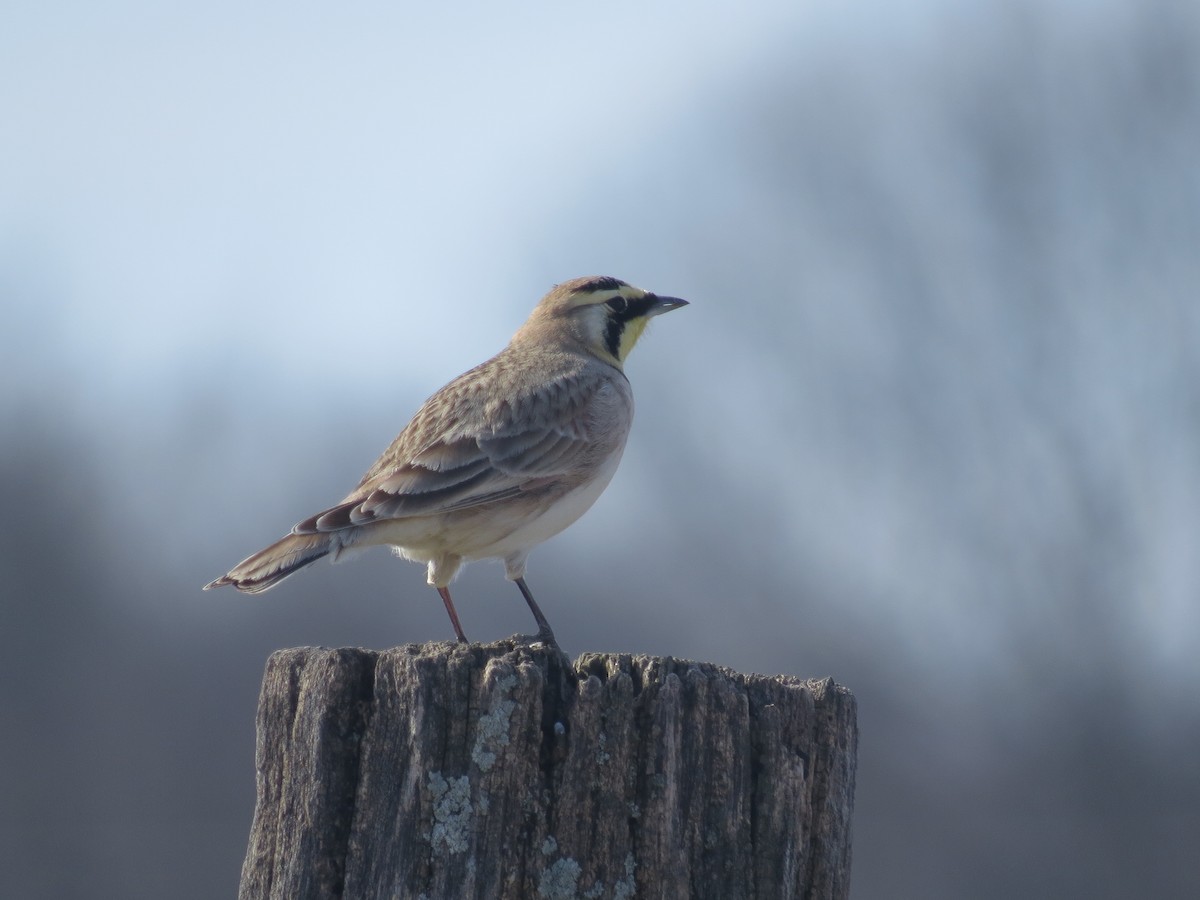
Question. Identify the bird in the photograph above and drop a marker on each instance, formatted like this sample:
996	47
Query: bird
502	458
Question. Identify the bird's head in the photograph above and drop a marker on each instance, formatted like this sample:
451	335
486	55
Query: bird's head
604	314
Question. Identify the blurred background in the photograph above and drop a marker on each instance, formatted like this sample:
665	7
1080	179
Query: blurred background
931	425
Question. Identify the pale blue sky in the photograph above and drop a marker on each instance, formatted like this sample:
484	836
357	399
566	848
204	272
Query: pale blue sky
184	177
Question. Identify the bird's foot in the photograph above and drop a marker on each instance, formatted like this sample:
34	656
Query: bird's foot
544	638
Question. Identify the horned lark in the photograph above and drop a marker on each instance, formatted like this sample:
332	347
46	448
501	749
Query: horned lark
502	458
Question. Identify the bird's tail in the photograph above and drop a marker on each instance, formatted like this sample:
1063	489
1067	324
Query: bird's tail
268	567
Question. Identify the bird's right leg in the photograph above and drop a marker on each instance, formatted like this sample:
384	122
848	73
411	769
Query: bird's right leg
545	634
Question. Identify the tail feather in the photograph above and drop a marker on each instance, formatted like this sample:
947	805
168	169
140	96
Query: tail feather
285	557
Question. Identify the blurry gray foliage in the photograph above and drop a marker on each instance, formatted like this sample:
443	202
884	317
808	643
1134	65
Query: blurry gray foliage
994	248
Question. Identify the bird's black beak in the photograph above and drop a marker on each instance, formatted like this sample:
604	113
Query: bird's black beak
660	305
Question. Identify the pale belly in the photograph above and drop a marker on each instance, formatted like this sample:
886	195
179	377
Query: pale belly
556	518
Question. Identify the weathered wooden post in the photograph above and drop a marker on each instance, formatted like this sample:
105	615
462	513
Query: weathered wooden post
501	771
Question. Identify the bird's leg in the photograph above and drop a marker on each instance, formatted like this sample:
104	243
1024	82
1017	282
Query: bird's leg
445	592
544	634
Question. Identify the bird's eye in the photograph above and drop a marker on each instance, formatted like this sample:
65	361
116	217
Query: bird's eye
618	304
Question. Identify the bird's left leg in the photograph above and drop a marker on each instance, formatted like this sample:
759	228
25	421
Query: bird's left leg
445	592
439	574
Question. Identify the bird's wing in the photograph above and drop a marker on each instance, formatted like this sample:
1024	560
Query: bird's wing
438	464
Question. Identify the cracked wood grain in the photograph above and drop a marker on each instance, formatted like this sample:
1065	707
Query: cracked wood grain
504	771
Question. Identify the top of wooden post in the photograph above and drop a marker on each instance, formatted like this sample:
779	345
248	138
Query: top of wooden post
504	771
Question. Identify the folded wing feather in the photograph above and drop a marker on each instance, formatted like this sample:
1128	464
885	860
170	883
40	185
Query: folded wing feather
466	471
